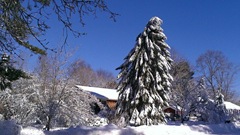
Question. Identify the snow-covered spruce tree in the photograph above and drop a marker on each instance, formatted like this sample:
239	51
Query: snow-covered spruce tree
144	79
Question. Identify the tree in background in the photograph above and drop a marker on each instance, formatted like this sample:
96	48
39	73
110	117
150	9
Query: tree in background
105	79
218	72
144	78
83	74
186	89
184	93
8	73
20	20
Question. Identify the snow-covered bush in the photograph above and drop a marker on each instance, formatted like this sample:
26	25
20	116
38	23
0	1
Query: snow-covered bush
213	111
78	109
27	103
69	107
99	122
234	115
107	113
59	102
18	102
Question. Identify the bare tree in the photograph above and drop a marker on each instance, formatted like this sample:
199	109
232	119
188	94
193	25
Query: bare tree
83	74
20	20
59	103
52	88
105	79
218	72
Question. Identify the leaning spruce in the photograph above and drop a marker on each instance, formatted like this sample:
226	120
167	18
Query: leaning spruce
144	78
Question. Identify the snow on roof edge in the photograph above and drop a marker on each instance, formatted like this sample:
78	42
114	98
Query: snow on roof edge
102	93
231	106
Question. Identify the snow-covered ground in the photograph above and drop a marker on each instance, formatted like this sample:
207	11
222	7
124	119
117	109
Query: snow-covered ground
169	129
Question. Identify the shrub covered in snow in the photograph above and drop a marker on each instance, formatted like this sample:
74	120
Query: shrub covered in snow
29	105
213	111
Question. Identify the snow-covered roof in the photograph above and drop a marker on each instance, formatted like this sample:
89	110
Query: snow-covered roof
101	93
231	106
174	107
112	94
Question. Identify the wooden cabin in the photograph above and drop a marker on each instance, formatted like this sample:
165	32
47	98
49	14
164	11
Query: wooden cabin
110	97
105	95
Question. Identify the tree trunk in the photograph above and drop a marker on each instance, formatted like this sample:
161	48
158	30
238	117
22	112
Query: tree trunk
48	124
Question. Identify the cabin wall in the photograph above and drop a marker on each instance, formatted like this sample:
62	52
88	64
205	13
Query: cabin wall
111	104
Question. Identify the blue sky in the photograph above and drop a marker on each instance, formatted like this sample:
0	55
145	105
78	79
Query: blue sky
192	28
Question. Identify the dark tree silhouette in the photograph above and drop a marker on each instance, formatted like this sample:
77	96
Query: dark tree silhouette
20	20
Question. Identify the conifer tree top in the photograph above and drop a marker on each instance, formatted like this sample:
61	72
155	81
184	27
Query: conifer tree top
154	23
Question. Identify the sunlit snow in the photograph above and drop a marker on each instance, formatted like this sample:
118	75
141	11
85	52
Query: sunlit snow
170	129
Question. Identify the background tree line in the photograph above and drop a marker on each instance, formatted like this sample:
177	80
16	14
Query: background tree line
217	71
212	75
